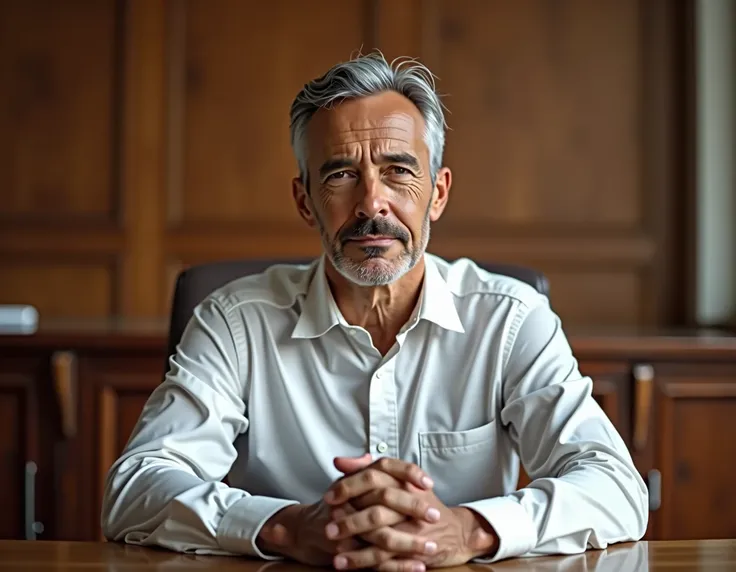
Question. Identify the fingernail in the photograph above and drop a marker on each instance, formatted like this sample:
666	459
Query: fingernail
430	547
418	567
330	496
433	515
427	482
332	530
341	562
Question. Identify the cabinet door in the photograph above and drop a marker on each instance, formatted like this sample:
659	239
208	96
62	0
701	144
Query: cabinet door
22	465
611	389
695	415
115	390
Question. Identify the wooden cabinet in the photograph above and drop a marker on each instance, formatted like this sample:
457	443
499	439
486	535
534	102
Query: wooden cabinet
70	398
19	444
695	426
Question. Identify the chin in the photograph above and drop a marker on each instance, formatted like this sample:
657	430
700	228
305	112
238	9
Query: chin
376	271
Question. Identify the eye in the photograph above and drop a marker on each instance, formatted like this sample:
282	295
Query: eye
339	175
400	170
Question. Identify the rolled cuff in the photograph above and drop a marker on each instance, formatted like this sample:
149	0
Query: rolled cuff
514	527
242	523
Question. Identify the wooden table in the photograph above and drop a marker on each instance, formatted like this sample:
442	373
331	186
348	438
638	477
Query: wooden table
28	556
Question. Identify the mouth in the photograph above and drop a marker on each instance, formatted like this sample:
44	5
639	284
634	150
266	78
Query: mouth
367	241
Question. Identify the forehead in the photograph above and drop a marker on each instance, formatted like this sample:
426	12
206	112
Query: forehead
386	120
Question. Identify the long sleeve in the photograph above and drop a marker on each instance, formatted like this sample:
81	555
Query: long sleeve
585	490
166	487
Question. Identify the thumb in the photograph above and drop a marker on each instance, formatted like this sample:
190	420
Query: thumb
349	465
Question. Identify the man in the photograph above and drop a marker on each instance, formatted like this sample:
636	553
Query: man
370	409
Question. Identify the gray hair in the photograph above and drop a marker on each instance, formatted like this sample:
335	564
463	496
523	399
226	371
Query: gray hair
363	76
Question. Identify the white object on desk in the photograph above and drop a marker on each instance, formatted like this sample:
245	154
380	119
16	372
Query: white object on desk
18	319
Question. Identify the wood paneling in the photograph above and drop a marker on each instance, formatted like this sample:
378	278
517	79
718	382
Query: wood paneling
57	130
59	288
235	163
13	454
596	296
544	111
148	131
696	422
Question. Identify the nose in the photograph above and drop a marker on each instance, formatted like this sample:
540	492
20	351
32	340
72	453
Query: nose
373	201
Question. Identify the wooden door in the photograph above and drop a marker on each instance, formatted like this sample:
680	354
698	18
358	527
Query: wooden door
22	466
695	416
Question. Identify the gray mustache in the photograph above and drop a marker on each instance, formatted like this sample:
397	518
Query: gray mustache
374	227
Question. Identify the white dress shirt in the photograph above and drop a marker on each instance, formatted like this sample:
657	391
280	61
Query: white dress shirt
270	383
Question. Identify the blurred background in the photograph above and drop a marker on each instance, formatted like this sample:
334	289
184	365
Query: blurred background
593	140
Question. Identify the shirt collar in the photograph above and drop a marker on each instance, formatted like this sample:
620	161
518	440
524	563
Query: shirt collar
320	312
437	302
319	309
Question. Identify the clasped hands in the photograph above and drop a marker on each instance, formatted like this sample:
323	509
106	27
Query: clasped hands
381	515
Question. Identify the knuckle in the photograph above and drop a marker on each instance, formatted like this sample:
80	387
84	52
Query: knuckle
375	517
385	539
419	507
370	477
384	463
383	556
386	495
339	489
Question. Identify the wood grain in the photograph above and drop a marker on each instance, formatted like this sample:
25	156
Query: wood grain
141	132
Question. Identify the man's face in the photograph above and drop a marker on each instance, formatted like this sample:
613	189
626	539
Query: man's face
370	188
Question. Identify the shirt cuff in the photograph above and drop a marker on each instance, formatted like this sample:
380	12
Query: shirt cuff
515	529
242	523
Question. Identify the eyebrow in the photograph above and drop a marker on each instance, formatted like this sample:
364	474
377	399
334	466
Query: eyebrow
333	165
343	162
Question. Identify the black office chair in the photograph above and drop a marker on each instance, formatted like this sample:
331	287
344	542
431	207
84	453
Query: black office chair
194	284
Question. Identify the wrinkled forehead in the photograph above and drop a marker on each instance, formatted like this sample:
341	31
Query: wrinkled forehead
385	121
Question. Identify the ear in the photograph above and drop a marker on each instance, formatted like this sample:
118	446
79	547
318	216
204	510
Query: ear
303	201
440	193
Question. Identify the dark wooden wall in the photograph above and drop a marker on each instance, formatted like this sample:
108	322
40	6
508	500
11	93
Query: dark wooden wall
138	137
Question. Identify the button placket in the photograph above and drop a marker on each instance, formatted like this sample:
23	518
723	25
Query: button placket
383	438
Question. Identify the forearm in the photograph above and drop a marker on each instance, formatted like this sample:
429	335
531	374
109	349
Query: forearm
157	503
591	504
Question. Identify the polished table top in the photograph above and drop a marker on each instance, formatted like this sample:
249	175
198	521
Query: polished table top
93	556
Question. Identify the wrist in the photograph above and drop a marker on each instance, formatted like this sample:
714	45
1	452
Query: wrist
278	533
479	537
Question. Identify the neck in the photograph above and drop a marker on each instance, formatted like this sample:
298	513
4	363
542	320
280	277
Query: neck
382	310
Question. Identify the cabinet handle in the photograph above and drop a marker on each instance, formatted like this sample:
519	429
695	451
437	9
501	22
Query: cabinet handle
644	387
63	365
33	527
654	484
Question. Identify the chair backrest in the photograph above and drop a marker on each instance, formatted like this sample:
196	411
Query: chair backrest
194	284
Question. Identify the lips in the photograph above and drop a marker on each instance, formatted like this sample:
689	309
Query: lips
373	240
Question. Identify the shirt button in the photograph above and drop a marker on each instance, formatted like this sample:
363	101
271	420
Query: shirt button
382	447
351	332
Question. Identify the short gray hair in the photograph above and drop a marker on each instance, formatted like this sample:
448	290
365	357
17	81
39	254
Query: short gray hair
363	76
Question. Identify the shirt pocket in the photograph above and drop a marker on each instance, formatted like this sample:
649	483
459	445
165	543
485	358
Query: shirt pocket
461	463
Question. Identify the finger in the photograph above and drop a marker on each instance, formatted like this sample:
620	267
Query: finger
398	565
366	520
400	542
349	465
387	543
370	557
401	471
405	472
358	484
402	501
